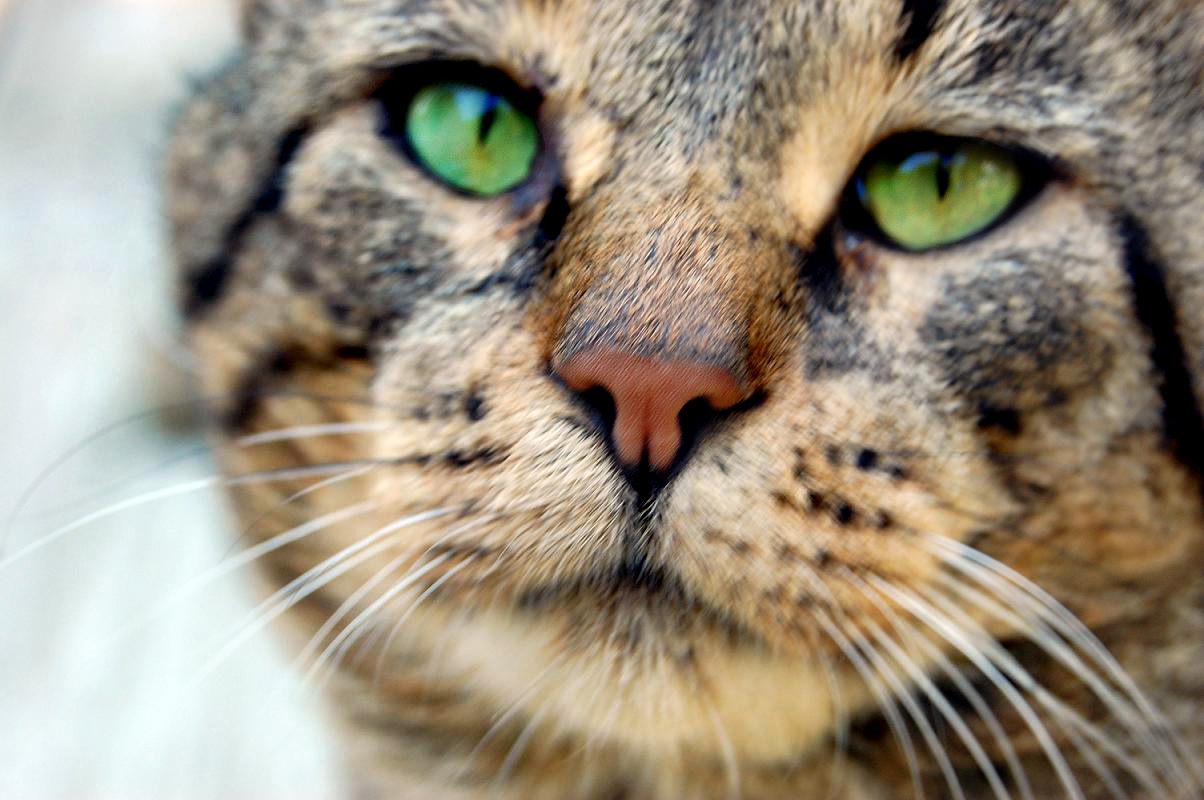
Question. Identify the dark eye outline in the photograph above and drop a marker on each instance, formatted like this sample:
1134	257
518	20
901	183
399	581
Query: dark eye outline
1036	172
396	93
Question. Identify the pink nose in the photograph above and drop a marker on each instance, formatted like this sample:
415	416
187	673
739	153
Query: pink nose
649	395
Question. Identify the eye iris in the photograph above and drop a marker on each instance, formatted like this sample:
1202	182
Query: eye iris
930	198
472	138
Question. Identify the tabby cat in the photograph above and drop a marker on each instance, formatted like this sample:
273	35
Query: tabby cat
694	399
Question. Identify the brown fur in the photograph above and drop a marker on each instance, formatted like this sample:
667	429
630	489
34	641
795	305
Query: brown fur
1006	393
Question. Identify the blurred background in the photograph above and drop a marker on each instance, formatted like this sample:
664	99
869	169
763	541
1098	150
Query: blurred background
116	680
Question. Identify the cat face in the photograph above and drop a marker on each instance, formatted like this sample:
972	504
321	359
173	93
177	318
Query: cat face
669	440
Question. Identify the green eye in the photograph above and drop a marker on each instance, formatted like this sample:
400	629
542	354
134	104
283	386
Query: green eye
470	137
923	198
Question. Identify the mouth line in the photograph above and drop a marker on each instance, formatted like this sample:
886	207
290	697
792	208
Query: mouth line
633	583
628	576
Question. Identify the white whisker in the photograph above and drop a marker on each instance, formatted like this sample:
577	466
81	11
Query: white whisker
31	489
396	628
731	765
333	480
504	718
972	695
1074	724
247	556
840	718
265	437
345	607
401	619
442	540
517	749
960	639
885	702
391	528
1065	623
1092	757
934	694
188	487
1060	711
109	511
313	579
312	431
904	695
1046	640
411	577
1144	720
285	598
882	697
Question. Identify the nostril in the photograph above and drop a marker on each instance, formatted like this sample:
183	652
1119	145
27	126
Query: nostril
693	419
599	404
698	415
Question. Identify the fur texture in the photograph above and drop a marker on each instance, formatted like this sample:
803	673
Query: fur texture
848	588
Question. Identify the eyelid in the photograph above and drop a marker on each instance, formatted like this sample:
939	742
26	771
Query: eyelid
399	84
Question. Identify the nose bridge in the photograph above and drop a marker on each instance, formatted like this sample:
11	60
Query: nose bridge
663	283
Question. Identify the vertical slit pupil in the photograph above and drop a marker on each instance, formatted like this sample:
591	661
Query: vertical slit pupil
942	175
488	117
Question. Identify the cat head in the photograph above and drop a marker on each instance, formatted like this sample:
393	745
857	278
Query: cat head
767	356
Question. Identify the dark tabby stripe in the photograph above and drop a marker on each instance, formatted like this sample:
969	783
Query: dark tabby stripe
1182	421
204	286
919	17
267	373
255	384
820	272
